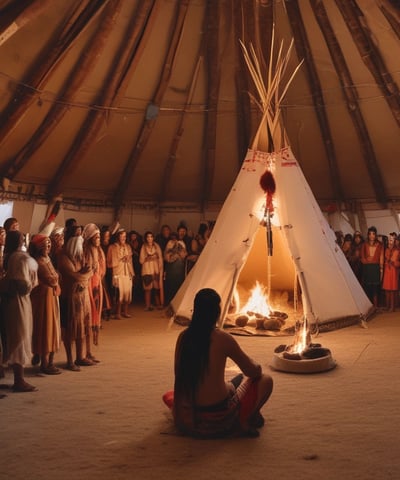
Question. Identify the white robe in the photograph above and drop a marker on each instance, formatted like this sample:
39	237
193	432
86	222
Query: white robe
17	307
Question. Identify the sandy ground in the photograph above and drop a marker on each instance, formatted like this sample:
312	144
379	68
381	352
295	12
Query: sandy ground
108	421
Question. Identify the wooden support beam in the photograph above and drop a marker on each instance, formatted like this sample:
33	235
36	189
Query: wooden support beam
17	14
149	122
303	49
122	68
349	92
27	91
213	83
370	54
392	14
84	65
165	179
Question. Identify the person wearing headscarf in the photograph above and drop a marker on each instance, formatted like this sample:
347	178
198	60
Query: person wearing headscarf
46	335
119	259
57	243
94	257
16	286
74	301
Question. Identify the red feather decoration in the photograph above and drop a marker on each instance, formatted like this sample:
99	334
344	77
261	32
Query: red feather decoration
267	183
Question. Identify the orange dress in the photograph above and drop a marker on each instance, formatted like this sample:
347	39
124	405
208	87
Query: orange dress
46	333
391	269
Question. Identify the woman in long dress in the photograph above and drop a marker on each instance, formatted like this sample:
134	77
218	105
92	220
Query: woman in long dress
17	284
390	283
119	259
46	335
74	301
175	256
95	258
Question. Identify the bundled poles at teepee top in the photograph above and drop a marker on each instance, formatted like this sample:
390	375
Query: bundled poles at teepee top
270	94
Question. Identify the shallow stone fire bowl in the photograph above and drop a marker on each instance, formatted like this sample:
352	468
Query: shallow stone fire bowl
314	360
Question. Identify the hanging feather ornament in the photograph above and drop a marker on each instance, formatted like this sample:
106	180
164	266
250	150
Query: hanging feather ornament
267	183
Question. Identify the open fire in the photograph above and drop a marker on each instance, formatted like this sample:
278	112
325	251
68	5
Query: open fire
303	356
257	312
257	303
302	339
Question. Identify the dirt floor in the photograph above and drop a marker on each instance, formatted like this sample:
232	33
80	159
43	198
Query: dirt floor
108	421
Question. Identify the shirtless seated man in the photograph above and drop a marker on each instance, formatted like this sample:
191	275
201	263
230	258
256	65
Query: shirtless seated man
204	404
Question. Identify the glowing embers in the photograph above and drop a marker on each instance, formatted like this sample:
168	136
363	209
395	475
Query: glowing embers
302	356
258	313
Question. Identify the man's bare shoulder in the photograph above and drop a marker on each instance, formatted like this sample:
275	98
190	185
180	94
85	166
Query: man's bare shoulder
223	337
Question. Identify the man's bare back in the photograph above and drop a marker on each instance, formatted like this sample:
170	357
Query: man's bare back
213	389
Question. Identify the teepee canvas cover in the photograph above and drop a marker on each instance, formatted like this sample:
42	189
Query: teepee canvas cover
331	294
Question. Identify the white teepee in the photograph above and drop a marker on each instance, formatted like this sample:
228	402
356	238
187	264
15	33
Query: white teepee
331	294
330	291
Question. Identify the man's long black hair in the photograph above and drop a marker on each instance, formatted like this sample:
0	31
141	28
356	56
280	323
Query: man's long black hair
192	360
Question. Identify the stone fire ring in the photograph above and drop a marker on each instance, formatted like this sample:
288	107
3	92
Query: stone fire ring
303	365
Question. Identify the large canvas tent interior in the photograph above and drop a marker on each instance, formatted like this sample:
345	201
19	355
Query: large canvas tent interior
142	111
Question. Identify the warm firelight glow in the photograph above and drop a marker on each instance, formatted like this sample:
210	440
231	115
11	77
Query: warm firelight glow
257	302
301	338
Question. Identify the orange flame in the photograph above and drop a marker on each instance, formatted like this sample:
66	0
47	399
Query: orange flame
257	302
301	339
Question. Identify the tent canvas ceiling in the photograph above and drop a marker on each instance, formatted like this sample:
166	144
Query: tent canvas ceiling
118	102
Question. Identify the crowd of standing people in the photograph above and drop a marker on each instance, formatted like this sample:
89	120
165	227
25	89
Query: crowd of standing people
376	264
58	288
